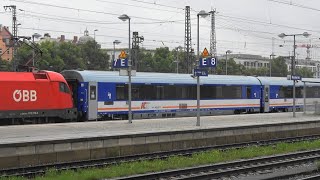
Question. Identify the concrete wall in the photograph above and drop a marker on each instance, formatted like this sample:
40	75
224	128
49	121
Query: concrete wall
31	154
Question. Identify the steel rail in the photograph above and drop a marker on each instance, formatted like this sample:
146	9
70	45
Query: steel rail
233	168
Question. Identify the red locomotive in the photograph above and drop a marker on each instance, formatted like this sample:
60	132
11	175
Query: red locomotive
34	97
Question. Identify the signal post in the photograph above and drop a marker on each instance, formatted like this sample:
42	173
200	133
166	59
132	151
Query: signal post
203	62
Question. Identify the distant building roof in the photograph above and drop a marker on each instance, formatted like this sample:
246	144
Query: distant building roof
47	37
85	38
247	56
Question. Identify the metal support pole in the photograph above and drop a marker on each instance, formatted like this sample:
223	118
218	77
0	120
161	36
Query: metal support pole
292	73
270	66
114	52
198	77
304	98
177	66
272	55
33	51
129	74
226	63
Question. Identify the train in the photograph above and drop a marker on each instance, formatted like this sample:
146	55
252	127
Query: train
34	97
83	95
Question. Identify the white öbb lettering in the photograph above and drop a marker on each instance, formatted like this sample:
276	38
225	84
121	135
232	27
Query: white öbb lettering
24	95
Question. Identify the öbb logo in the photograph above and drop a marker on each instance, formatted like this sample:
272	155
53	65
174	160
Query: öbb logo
25	95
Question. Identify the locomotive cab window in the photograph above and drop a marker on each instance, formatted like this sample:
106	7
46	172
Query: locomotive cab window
63	88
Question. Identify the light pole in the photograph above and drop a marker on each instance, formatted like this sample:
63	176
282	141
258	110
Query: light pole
203	14
115	42
94	34
270	62
177	58
125	17
227	52
282	35
94	37
35	35
177	65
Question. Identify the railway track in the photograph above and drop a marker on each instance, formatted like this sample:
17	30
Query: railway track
314	177
39	170
234	169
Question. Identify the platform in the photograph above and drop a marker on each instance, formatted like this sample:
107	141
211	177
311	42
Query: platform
31	145
50	132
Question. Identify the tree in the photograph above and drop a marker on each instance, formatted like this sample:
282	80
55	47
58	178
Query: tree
5	65
71	55
66	55
50	58
304	72
221	67
279	67
147	62
94	57
163	60
24	54
180	56
233	67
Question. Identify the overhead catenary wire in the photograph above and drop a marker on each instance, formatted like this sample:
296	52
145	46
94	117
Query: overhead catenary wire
178	21
138	6
170	21
218	15
81	9
253	32
290	3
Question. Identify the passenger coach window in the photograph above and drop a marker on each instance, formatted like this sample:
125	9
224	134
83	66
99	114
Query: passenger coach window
93	95
121	92
248	92
171	92
231	92
287	92
63	88
313	92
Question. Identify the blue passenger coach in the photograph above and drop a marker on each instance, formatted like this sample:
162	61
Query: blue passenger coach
280	94
103	94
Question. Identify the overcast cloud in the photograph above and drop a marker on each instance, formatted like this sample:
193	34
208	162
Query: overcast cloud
243	26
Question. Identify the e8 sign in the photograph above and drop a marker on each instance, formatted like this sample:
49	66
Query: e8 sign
208	62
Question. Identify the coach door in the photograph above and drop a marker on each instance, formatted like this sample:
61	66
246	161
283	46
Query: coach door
92	101
266	98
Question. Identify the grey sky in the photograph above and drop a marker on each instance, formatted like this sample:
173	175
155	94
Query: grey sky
243	26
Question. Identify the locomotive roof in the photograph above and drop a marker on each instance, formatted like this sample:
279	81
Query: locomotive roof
154	78
31	76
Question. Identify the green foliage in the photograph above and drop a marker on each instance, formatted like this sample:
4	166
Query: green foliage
304	72
71	55
148	62
5	65
94	57
24	54
50	58
65	55
279	67
163	60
